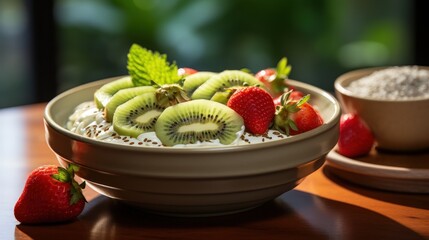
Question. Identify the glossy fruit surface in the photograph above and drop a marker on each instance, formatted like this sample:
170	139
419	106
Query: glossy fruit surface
185	71
306	118
256	106
275	80
50	195
356	139
296	116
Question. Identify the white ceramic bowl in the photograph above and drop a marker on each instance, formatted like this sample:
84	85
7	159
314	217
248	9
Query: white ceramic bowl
398	125
192	181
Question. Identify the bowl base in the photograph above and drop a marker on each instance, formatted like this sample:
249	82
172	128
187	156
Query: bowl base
193	206
195	212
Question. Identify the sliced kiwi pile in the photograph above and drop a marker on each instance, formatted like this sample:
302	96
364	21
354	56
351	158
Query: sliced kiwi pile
134	110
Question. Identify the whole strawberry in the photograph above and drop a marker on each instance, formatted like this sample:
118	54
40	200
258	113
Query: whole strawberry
275	79
296	116
256	106
50	195
356	139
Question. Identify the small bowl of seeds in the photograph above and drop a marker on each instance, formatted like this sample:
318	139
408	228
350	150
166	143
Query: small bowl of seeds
393	101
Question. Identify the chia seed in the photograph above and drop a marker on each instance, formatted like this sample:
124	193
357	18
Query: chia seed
395	83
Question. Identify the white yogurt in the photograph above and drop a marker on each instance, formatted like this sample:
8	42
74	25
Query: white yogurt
87	120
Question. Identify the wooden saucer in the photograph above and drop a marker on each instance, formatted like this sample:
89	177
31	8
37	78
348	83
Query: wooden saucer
401	172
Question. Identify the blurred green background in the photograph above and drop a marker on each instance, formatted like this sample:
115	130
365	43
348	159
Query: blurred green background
321	38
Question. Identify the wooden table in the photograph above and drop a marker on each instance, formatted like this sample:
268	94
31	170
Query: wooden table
322	207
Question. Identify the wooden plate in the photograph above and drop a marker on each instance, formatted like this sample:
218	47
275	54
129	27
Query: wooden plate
401	172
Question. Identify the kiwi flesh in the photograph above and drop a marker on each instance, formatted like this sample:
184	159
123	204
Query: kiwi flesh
103	94
198	120
123	96
138	115
195	80
222	81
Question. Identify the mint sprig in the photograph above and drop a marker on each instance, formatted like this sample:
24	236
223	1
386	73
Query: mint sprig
148	68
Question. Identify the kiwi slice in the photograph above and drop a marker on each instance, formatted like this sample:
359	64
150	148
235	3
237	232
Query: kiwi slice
103	94
222	81
137	115
123	96
193	81
198	120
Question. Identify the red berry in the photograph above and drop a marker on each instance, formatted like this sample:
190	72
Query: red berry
306	118
256	106
275	79
272	83
185	71
265	75
356	139
296	116
50	195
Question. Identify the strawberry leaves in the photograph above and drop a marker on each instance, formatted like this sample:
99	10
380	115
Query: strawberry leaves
282	120
67	176
63	175
275	79
283	69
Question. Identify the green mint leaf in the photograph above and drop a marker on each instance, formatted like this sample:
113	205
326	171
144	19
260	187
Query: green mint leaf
148	68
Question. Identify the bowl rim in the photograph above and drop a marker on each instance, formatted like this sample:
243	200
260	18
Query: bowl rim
362	72
334	119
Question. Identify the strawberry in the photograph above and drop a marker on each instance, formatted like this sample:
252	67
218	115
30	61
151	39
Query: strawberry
275	79
50	195
296	116
185	71
265	75
356	139
256	106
